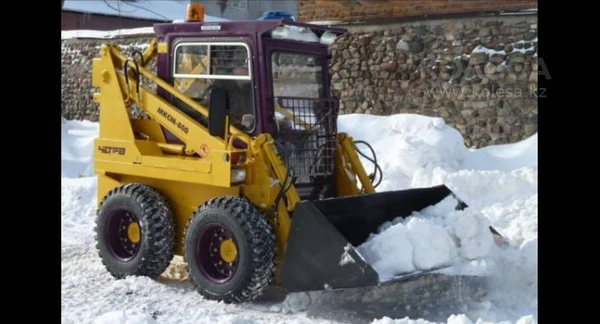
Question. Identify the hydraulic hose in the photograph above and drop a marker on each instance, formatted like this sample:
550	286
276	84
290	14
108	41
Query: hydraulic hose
376	168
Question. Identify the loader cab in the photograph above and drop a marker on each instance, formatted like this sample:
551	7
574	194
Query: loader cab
301	112
258	63
276	76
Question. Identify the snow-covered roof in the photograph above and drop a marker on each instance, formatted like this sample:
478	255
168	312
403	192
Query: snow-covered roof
167	10
106	34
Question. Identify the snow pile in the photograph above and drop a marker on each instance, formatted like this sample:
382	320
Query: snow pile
406	146
499	183
76	148
435	237
503	157
78	187
440	235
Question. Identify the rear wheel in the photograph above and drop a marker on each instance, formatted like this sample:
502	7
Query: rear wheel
135	232
230	250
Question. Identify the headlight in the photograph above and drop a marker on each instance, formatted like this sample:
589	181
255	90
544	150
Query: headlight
238	175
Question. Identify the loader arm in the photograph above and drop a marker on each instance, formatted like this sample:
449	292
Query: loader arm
199	160
189	131
149	53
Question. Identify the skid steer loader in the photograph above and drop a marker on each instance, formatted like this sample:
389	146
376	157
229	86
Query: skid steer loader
237	164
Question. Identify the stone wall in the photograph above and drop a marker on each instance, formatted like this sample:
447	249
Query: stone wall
376	10
479	74
76	90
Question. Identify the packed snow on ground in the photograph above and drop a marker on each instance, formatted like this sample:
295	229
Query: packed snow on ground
122	317
499	184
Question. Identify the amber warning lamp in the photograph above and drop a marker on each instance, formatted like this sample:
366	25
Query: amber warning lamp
194	12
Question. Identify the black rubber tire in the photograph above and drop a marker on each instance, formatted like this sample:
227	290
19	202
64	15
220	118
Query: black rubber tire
157	231
255	244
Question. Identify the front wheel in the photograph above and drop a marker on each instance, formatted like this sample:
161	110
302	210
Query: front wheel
135	232
230	250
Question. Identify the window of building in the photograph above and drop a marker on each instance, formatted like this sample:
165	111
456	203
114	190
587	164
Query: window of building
239	4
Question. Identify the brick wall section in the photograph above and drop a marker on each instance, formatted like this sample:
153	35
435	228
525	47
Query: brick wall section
364	11
78	20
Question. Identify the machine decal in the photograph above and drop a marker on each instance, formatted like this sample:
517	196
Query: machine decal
172	120
203	150
111	150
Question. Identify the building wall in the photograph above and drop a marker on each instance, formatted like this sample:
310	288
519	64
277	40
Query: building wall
77	20
361	10
247	9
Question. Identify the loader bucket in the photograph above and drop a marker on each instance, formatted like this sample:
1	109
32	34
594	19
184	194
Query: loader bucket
324	234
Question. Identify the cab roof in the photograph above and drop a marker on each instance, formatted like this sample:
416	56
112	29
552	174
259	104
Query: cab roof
231	27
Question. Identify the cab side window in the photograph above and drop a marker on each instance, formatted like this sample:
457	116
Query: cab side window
201	67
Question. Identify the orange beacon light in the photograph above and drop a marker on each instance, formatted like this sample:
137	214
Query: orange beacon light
194	12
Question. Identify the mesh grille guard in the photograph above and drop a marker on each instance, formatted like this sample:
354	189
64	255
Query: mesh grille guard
307	129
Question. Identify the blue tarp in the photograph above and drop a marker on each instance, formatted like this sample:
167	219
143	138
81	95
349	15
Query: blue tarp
276	15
